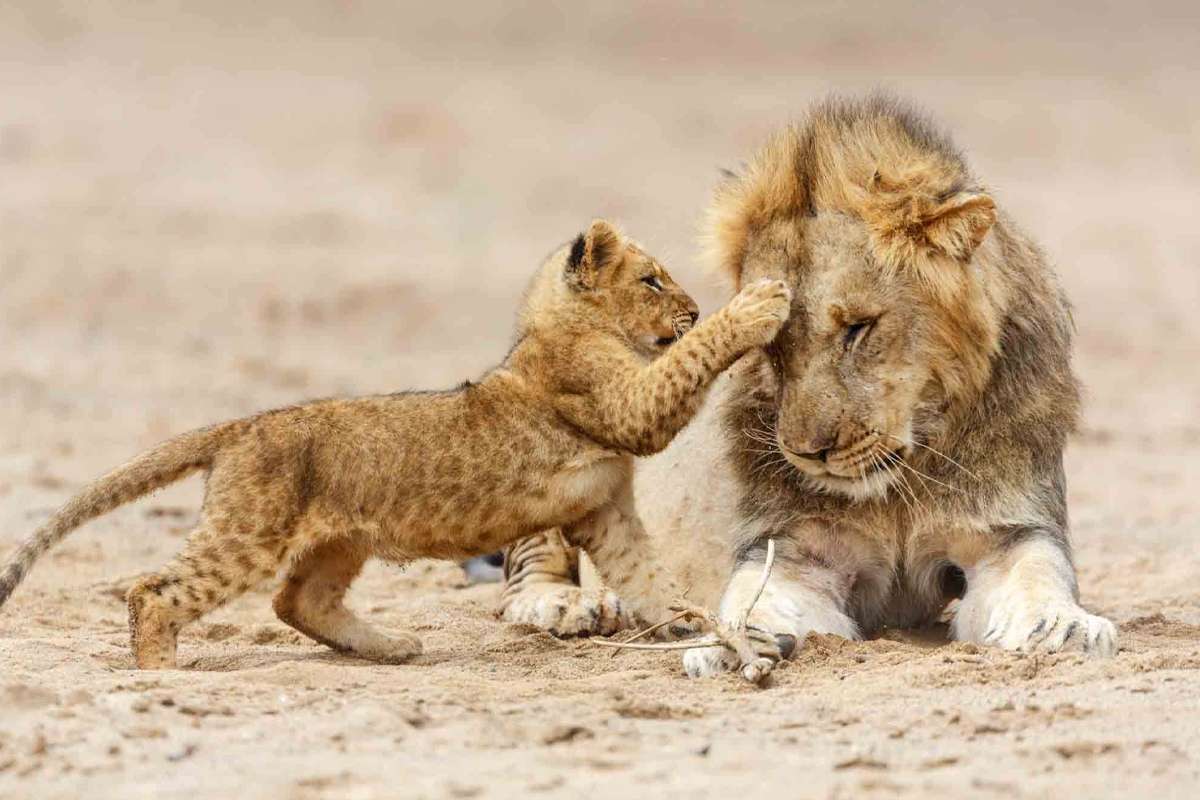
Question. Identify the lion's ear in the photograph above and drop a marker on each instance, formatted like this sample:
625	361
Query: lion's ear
959	224
912	221
591	253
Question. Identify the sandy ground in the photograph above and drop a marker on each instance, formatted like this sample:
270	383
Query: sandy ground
207	213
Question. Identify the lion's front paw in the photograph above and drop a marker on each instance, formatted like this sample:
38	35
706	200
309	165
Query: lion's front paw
567	610
1016	625
759	310
704	662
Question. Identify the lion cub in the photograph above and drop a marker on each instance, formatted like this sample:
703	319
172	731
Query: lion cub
602	371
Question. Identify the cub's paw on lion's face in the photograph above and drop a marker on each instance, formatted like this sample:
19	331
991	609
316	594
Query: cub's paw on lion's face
704	662
759	310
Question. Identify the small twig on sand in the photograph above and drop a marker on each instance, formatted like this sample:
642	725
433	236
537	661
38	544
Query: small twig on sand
642	634
707	640
768	563
754	668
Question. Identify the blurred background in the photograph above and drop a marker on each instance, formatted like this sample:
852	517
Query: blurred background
211	208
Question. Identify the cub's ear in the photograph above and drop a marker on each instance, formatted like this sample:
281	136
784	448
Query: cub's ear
591	253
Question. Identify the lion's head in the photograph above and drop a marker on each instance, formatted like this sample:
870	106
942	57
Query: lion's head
902	294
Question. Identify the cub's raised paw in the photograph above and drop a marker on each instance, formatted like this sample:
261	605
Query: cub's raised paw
759	310
567	610
704	662
1016	625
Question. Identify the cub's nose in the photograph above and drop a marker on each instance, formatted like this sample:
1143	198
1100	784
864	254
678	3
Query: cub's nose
695	315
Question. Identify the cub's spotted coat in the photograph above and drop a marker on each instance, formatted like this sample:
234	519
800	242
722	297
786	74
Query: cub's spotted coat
545	440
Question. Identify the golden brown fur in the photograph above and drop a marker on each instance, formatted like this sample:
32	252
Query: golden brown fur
607	365
902	437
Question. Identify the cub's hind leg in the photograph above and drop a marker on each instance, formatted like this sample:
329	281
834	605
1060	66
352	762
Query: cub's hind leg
311	601
218	564
542	587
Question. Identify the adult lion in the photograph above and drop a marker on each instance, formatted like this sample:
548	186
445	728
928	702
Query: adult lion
902	438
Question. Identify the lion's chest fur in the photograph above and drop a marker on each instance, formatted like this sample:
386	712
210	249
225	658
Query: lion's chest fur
894	555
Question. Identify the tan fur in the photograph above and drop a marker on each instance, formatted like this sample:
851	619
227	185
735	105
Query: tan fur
904	432
543	441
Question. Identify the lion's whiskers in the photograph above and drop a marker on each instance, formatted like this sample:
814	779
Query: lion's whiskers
877	464
921	476
761	435
889	460
937	453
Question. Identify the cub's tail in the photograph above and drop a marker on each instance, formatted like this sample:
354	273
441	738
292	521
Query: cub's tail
162	465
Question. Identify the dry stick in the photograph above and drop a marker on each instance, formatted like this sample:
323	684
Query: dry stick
707	640
642	634
744	619
682	614
754	668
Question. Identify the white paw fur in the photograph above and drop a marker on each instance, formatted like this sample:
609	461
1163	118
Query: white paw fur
568	610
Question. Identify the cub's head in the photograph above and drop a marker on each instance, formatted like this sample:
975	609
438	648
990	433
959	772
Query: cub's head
877	226
624	286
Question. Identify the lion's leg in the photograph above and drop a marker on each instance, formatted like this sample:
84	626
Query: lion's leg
1025	598
801	597
311	601
541	588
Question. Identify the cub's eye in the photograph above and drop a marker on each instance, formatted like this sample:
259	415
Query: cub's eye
857	331
653	282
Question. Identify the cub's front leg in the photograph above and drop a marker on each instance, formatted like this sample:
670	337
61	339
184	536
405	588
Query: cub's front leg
1024	597
639	408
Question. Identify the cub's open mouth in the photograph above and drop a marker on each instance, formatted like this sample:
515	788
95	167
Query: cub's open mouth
666	341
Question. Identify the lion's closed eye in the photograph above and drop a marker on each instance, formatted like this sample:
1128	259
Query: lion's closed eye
857	331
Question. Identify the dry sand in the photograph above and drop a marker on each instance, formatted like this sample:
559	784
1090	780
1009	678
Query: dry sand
204	214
